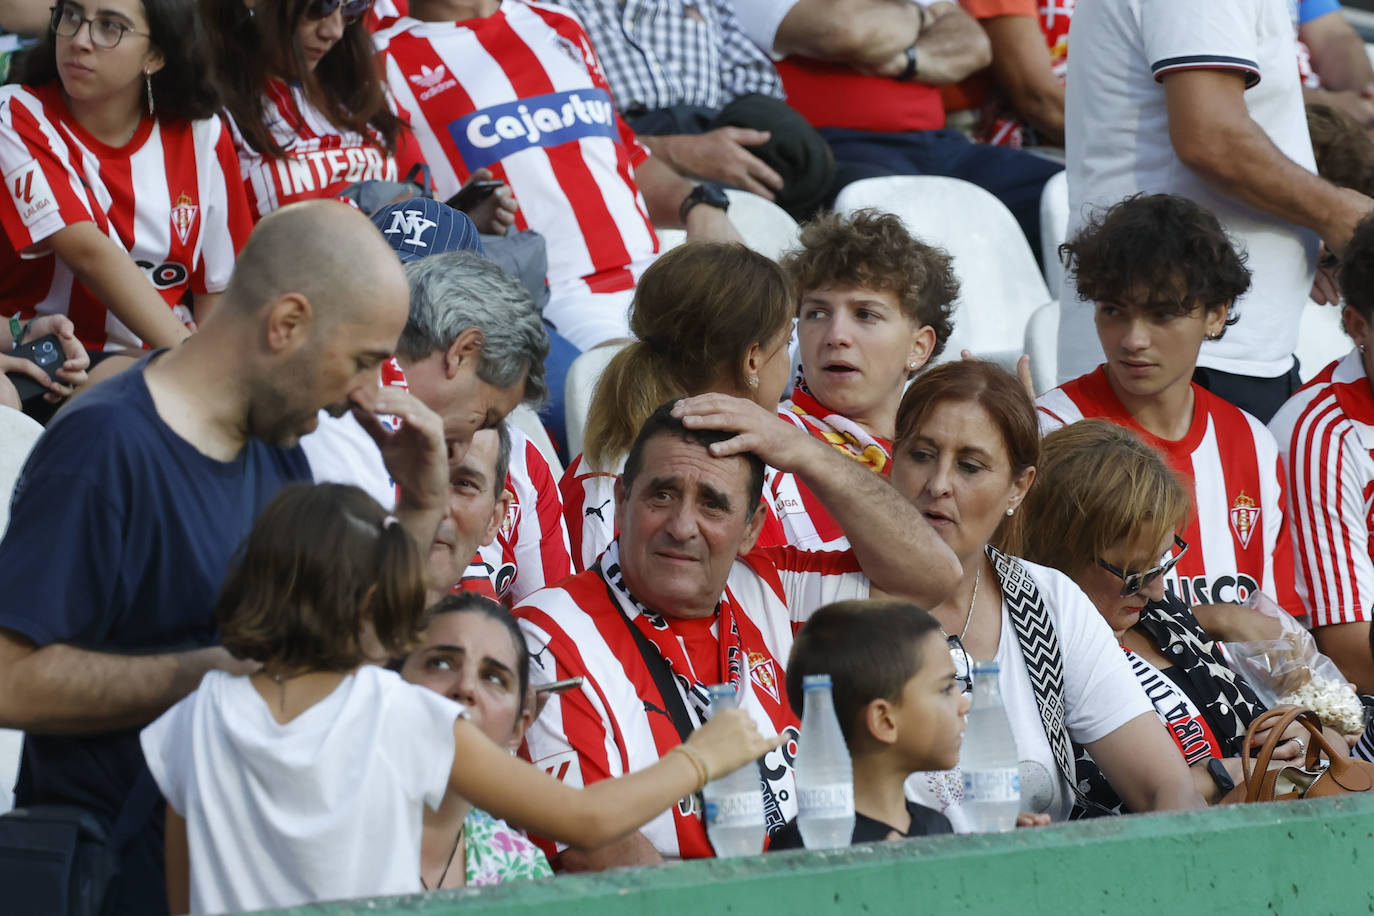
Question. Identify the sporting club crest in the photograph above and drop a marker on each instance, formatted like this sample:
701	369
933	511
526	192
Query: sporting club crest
1245	516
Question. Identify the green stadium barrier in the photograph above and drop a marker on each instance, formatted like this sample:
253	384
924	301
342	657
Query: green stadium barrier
1302	858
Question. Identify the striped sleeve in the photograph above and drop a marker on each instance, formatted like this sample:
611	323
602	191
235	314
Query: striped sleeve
807	580
588	511
1055	409
1185	35
228	220
538	541
44	192
1327	486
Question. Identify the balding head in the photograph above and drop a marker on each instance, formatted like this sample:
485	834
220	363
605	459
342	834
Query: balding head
320	300
322	250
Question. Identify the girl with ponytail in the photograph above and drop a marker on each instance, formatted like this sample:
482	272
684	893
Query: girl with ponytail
706	316
308	780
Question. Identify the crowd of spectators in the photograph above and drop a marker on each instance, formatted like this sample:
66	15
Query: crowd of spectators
292	592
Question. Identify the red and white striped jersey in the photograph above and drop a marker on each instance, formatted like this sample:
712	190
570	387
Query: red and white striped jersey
1238	538
588	509
1326	433
521	93
805	521
616	722
383	14
530	551
320	160
168	197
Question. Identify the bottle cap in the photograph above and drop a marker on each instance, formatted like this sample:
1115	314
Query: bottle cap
721	692
813	681
984	668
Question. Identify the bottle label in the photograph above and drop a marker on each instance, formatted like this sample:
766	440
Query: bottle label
1002	785
740	808
837	799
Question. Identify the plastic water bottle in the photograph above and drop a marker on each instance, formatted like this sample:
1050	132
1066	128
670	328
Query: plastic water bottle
825	774
734	803
992	784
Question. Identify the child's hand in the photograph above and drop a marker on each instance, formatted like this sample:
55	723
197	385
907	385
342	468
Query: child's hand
1032	820
729	741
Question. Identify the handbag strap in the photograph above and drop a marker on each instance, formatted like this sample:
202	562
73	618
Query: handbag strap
1277	720
1040	647
658	668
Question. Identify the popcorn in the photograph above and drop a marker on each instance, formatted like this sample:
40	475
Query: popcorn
1334	703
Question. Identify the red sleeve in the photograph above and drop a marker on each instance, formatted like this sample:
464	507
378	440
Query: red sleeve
989	9
638	151
553	533
41	198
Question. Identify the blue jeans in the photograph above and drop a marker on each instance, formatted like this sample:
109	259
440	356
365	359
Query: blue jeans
1013	176
561	355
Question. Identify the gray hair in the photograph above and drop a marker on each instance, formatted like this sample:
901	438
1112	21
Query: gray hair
457	290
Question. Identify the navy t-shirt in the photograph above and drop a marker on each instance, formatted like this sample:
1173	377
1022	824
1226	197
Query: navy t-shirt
120	534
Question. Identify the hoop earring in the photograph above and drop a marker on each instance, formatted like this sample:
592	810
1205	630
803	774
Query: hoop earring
148	84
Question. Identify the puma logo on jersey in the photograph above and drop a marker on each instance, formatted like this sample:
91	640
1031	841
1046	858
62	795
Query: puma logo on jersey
33	198
431	80
596	510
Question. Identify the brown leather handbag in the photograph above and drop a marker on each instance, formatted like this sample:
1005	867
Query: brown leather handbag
1341	774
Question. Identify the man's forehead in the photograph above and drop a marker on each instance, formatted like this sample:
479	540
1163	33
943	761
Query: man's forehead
669	456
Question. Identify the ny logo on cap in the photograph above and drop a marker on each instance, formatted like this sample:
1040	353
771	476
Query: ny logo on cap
412	223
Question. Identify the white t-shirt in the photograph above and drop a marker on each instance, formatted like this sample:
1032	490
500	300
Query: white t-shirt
1100	693
325	807
1117	133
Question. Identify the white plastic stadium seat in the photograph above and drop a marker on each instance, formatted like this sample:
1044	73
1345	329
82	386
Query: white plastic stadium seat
1054	229
18	433
525	419
1042	343
11	748
765	227
999	279
583	375
1320	338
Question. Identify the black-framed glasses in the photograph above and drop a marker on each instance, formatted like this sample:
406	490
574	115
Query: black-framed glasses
963	665
106	31
353	10
1134	583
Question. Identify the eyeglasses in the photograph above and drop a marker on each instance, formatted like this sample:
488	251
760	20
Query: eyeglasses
963	666
1136	582
106	31
353	10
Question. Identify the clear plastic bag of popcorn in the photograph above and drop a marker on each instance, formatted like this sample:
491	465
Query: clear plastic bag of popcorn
1291	670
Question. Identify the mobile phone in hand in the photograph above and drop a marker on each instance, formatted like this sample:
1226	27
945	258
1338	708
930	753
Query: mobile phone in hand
469	197
47	353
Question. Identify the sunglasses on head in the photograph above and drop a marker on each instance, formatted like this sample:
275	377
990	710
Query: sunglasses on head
1136	582
353	10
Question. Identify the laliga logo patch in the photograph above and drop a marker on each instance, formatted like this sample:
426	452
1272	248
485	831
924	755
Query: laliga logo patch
1245	513
763	674
32	196
184	216
487	136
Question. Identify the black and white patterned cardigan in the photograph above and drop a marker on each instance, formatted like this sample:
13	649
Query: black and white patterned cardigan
1201	671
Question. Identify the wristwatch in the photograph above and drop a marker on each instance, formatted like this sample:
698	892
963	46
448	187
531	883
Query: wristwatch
909	73
1219	775
707	194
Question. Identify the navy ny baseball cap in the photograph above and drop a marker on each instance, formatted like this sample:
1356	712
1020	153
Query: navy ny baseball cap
420	227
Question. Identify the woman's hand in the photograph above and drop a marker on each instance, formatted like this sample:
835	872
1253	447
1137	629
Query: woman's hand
1027	819
70	375
729	741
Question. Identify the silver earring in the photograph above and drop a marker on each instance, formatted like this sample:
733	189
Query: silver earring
911	366
1011	510
753	381
148	84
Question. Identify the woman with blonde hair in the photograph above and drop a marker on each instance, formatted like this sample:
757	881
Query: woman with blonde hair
1104	509
708	317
